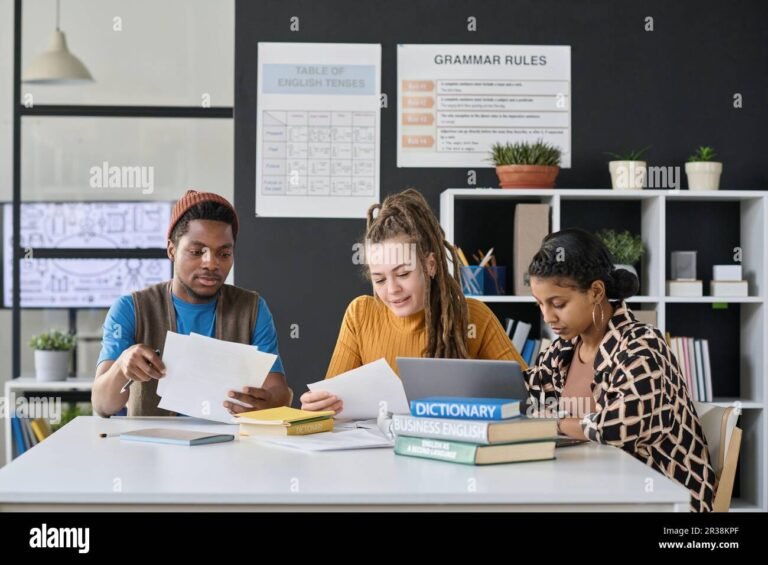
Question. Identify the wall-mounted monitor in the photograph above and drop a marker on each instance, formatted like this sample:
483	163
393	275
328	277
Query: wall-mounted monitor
77	282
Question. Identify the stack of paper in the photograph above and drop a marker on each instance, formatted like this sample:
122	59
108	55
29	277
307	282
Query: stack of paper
367	391
200	372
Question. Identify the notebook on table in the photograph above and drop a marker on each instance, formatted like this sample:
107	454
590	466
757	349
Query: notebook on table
176	437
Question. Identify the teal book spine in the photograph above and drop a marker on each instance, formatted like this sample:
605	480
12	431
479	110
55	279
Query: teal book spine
454	452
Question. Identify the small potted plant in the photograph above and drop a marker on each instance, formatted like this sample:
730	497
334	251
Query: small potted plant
52	352
628	170
702	170
526	165
626	248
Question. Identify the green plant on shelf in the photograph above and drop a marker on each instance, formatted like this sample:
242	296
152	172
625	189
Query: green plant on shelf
524	153
626	248
630	154
53	340
703	154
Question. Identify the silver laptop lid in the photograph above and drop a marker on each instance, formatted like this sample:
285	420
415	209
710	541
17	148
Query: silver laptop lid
481	378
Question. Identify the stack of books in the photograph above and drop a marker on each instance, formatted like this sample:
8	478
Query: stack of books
473	431
529	348
284	421
693	358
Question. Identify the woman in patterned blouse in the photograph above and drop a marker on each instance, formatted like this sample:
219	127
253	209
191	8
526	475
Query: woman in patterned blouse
610	378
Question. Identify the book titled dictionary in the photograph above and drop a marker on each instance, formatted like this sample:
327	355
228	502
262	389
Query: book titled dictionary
176	437
466	408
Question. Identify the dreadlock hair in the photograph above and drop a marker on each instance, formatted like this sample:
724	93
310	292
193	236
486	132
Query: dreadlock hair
408	214
580	256
206	210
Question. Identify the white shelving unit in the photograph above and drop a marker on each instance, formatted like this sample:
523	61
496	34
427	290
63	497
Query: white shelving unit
753	330
30	384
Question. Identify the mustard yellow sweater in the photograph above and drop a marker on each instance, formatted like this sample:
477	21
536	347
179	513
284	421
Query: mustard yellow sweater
371	331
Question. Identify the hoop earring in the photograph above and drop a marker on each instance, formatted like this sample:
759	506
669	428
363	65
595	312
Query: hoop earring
602	315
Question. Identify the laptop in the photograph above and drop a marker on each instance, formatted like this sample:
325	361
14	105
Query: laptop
480	378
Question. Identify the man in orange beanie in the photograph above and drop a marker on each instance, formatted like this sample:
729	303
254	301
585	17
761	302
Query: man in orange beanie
201	242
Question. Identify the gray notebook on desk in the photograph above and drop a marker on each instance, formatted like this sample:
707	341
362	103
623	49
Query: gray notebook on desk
176	437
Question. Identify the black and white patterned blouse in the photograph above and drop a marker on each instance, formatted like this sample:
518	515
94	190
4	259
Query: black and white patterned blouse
642	402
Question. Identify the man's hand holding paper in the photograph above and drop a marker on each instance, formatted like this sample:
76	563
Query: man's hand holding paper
202	372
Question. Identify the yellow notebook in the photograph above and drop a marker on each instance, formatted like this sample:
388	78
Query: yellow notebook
283	416
297	429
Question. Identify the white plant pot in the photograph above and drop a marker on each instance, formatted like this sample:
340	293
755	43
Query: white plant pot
703	175
51	365
628	175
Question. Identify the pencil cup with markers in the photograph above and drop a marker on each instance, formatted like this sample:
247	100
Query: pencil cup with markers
495	280
473	280
477	281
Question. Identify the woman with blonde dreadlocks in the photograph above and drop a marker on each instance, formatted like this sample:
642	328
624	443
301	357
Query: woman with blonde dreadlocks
417	308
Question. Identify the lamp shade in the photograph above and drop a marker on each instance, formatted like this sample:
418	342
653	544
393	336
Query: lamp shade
57	64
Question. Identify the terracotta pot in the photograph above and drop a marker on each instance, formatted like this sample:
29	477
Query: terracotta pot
527	176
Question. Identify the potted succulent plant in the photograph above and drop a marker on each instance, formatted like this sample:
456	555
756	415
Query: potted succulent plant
626	248
702	170
628	170
526	165
52	352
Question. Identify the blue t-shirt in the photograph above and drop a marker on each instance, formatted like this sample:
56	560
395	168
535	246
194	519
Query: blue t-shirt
119	331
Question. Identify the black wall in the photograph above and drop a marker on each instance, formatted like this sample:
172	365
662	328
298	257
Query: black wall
671	88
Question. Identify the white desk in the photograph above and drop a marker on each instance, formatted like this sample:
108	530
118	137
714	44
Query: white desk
74	469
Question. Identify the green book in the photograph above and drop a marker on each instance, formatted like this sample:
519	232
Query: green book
472	454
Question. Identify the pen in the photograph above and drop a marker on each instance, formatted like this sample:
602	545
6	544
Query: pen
127	385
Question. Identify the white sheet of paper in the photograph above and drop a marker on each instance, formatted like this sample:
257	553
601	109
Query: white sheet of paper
201	371
362	390
332	441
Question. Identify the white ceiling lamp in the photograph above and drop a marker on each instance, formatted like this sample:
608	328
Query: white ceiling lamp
57	65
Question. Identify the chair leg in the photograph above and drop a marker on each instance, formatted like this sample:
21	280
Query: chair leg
725	487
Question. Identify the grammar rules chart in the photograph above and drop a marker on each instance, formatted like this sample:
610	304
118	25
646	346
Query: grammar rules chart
317	129
456	101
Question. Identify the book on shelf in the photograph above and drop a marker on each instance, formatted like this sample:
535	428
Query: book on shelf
41	427
693	358
528	350
467	408
475	431
473	454
521	331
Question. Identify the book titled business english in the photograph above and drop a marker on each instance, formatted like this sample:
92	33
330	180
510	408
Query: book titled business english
475	431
